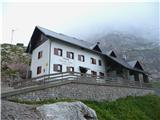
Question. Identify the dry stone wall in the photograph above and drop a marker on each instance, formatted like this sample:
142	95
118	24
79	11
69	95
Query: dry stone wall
83	92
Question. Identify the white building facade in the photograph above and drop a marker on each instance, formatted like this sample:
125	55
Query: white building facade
57	56
55	53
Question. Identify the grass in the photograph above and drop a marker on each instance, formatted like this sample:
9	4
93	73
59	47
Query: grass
130	108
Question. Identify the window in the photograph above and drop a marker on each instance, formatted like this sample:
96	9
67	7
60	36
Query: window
93	60
39	69
57	67
39	54
94	73
70	69
101	74
70	55
58	51
81	58
41	37
100	62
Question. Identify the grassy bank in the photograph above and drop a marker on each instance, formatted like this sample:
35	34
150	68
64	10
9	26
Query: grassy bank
130	108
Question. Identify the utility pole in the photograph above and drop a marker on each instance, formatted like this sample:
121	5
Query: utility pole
12	35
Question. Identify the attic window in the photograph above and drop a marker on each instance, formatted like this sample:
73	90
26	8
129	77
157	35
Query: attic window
113	54
97	48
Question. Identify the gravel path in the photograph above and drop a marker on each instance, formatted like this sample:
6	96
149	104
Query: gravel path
16	111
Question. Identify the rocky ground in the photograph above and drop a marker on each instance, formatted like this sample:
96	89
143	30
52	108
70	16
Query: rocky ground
16	111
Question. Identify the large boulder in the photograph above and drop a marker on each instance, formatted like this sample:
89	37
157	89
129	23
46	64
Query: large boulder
17	111
67	111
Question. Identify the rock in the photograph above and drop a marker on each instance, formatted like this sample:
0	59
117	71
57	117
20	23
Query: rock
67	111
16	111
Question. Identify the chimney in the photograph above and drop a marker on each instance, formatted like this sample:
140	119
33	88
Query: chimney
98	43
124	57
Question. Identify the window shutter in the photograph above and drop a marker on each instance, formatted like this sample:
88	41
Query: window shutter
72	69
55	67
38	55
71	55
60	68
82	58
60	52
55	51
79	57
41	53
68	69
68	55
100	63
94	61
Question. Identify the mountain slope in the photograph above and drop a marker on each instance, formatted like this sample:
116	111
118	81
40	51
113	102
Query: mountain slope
134	48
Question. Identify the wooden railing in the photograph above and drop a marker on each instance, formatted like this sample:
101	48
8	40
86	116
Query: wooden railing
75	76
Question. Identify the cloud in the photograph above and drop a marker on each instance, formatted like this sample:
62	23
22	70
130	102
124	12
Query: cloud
79	20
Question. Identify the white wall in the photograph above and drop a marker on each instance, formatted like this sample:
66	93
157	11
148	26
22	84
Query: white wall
43	61
64	61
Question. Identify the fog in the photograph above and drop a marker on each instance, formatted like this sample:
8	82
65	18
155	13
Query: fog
81	20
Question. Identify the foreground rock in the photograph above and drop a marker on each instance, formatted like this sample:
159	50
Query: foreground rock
57	111
67	111
16	111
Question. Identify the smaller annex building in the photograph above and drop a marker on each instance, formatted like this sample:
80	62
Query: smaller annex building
55	52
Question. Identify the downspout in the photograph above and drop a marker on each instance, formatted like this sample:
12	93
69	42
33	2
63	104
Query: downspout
49	56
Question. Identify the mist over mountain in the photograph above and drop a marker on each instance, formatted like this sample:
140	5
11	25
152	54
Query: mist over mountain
134	47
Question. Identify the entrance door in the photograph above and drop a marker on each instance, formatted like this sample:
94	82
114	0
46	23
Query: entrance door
83	70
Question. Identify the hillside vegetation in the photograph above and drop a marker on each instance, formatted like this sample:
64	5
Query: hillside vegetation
130	108
14	60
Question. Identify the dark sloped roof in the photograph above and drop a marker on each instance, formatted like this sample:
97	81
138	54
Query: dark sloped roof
127	65
135	64
132	63
96	48
84	44
65	38
111	53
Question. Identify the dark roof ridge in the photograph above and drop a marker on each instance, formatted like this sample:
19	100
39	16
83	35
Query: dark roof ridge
40	28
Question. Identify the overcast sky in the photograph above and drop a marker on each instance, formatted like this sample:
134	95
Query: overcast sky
80	20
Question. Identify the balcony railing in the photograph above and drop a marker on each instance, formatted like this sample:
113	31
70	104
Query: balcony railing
79	77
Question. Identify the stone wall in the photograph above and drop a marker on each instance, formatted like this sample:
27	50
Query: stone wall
83	91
